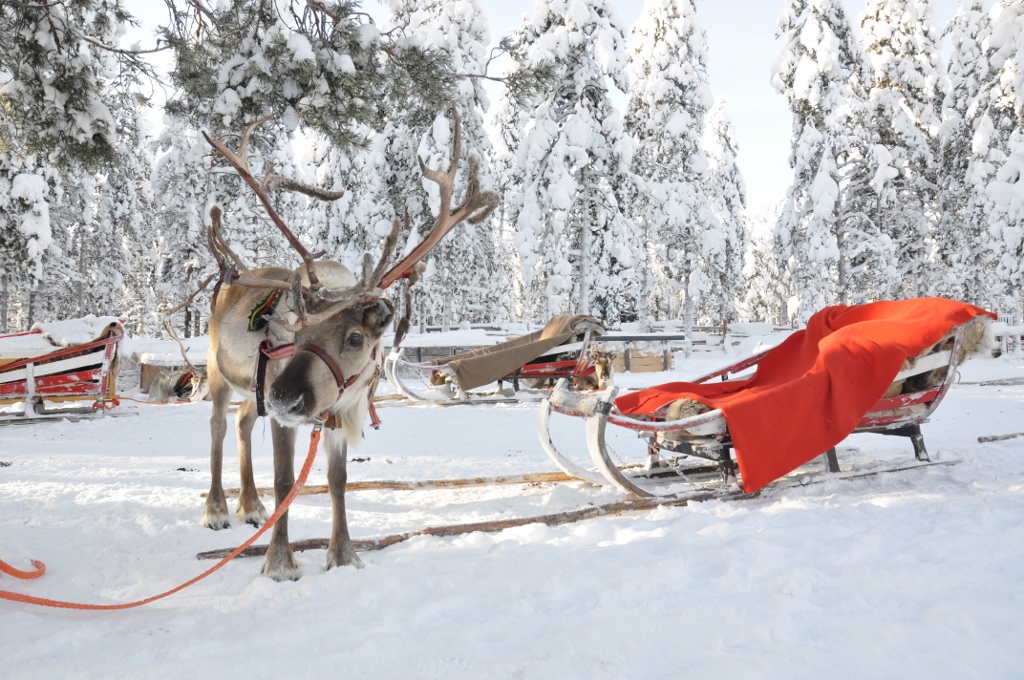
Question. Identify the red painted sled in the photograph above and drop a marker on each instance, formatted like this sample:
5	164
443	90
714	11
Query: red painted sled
690	445
44	374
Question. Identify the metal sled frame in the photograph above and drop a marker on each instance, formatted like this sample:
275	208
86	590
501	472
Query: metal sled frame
707	435
540	368
81	373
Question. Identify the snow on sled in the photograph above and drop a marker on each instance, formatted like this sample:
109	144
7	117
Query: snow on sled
881	367
561	350
60	369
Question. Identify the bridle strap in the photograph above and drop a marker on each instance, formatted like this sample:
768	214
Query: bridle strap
267	351
339	378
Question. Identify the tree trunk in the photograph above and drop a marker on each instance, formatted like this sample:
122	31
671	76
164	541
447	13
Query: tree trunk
585	247
31	309
687	309
80	293
3	303
841	266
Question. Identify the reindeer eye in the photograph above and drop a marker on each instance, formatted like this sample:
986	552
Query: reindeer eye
355	340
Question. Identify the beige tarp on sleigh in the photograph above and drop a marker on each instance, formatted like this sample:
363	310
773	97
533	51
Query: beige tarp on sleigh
482	366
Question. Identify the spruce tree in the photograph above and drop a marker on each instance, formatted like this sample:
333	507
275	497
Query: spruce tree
1006	189
904	99
668	105
967	161
726	190
825	243
576	244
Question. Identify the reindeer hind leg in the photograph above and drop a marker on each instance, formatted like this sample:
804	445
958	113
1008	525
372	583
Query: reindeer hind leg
216	514
250	508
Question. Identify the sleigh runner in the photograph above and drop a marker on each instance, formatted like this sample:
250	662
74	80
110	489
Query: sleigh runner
59	369
563	349
691	445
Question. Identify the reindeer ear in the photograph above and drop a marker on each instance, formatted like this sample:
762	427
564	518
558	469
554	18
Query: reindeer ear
378	316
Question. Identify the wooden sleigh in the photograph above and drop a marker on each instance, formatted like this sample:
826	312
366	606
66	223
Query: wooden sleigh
451	379
696	452
51	381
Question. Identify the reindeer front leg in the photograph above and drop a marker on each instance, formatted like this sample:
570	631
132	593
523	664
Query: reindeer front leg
250	508
339	549
280	563
216	514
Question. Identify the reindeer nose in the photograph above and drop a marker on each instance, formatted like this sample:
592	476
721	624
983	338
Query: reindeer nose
287	400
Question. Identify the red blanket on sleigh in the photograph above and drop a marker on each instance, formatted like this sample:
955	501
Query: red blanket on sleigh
811	391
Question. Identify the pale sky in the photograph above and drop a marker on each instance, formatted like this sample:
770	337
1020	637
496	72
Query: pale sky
742	48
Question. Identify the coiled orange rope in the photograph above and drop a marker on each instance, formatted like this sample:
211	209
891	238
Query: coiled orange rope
314	441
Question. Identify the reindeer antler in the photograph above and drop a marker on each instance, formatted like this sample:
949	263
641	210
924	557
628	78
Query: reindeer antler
476	205
271	182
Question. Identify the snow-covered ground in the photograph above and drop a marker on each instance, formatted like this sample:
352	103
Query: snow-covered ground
913	575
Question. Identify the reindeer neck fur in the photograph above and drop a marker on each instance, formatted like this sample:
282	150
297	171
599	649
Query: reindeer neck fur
232	347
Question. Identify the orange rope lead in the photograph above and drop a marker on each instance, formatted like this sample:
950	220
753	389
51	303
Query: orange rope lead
40	569
314	441
114	403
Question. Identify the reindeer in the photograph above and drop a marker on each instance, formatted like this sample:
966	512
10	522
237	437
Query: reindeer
602	375
316	331
172	386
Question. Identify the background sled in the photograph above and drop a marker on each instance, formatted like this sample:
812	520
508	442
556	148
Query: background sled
562	349
698	448
60	369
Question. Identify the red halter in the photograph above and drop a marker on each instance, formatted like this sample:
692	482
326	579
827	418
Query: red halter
283	351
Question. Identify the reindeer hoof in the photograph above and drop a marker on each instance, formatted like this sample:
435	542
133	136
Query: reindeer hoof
215	520
256	516
344	558
281	567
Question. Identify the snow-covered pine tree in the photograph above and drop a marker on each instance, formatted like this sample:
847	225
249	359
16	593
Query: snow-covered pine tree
322	65
357	222
576	244
1006	189
101	257
904	100
62	82
118	276
26	193
59	69
511	304
767	297
666	115
824	243
727	193
966	162
182	186
463	284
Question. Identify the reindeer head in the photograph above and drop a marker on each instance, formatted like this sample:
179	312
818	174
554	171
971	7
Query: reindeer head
602	361
335	366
